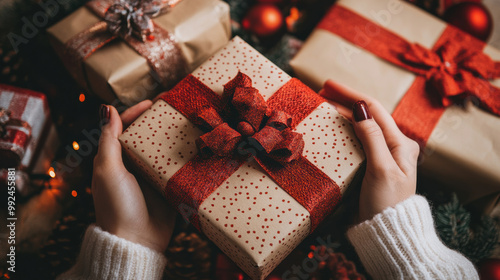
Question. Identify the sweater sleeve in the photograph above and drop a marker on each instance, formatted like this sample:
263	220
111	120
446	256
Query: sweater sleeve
107	256
402	243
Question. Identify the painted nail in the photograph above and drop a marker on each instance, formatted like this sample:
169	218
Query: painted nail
104	114
360	111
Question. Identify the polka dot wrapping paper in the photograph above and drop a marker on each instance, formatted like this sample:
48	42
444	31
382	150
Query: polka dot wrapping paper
249	216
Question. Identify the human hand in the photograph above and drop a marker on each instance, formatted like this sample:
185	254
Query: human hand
123	207
391	169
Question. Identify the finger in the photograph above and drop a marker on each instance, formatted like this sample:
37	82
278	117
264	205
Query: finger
341	109
110	151
372	138
134	112
347	97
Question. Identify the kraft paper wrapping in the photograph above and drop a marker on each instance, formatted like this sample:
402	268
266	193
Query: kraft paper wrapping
201	27
463	151
249	216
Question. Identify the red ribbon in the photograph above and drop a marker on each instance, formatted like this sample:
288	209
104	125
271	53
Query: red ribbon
453	70
202	175
159	47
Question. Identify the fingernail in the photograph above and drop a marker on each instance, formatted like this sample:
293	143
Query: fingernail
360	111
104	114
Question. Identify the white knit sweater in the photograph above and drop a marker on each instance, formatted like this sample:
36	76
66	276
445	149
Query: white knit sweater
402	243
399	243
107	256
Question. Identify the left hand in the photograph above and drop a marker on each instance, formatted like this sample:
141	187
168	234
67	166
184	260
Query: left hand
123	207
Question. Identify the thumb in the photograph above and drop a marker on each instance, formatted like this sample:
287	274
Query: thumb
109	147
371	136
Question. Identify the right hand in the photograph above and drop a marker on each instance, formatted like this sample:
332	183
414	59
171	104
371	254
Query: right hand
391	169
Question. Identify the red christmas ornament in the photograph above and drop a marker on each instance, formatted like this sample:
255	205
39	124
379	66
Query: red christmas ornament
489	269
445	4
263	20
472	18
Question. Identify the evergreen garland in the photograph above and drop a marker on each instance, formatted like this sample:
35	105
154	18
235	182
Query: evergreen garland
453	223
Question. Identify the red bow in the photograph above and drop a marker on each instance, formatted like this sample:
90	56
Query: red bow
249	122
455	72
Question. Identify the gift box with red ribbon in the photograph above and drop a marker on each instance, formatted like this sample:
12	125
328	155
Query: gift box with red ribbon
25	127
440	84
133	50
252	157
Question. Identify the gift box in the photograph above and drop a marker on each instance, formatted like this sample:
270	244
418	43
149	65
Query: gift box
166	40
422	71
28	139
252	157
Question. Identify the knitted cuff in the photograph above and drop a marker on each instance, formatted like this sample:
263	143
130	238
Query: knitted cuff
401	243
107	256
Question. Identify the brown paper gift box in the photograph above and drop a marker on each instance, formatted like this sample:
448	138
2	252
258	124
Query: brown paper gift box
463	150
234	216
116	71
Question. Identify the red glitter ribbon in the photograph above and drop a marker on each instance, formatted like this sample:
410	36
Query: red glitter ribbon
159	48
453	70
202	175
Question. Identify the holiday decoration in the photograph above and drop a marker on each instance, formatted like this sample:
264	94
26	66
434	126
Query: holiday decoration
28	139
145	58
473	18
489	269
438	7
333	265
453	223
428	75
263	20
225	189
282	53
225	269
188	258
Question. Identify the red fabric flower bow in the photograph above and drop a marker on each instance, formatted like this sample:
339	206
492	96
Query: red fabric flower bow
454	71
249	126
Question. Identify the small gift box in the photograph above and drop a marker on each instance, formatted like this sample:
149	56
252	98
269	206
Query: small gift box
254	158
28	139
133	50
418	68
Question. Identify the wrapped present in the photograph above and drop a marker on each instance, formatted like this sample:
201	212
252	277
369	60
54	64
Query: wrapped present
133	50
254	158
421	70
28	139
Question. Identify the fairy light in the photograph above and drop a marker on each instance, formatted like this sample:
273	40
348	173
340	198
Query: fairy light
292	19
74	193
81	97
52	173
76	147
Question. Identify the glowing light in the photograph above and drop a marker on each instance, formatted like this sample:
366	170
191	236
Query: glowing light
310	255
76	147
81	97
52	173
292	18
74	193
